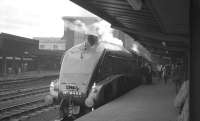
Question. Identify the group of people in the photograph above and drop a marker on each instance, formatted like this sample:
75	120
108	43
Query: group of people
163	73
168	70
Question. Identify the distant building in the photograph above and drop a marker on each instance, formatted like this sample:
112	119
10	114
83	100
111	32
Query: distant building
73	38
17	54
50	43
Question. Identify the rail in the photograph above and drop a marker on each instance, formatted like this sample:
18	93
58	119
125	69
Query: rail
22	109
22	93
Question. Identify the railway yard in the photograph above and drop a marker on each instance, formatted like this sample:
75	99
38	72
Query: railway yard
22	98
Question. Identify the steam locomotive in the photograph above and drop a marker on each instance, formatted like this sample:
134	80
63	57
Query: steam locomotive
91	76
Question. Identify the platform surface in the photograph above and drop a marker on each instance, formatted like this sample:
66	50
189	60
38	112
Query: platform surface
145	103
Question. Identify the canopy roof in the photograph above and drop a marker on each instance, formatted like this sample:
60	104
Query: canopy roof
162	26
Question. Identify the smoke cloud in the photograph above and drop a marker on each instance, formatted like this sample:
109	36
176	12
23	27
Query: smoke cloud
139	49
101	29
104	32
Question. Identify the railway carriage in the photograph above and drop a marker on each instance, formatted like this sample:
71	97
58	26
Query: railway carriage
91	76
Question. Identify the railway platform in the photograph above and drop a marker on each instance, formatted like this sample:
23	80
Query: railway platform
29	74
145	103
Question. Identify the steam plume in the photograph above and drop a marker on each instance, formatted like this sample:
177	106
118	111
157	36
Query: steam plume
104	32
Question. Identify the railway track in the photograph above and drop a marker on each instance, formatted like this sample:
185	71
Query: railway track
22	103
22	97
22	93
3	90
8	85
24	80
11	81
18	110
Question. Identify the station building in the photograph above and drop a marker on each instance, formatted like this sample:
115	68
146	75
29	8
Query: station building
51	43
20	54
17	53
50	52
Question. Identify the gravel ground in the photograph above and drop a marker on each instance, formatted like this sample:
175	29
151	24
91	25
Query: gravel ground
49	114
18	101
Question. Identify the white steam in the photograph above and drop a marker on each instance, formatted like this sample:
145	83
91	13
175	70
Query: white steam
104	32
77	26
101	29
139	49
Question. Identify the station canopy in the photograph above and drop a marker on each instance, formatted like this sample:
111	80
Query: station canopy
161	26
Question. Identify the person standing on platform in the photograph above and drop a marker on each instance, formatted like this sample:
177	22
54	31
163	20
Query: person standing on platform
149	74
164	78
143	71
146	72
160	72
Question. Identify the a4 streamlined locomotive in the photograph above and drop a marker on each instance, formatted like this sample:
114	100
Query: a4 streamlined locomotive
92	75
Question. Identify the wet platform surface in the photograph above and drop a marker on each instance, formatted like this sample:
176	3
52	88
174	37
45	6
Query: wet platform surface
145	103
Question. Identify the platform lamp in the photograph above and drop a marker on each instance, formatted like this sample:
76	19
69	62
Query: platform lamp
136	4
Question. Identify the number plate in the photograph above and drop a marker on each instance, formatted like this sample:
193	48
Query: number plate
76	109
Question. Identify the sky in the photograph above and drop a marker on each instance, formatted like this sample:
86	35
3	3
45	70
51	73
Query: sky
37	18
